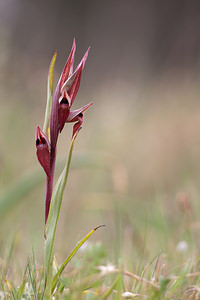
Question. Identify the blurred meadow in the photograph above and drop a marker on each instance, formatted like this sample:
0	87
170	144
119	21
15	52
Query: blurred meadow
136	161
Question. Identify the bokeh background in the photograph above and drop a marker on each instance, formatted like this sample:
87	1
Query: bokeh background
138	153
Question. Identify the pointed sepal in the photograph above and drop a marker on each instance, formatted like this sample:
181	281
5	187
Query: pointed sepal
73	90
43	150
68	68
74	113
77	125
77	116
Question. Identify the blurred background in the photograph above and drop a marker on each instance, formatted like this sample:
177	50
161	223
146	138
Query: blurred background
137	158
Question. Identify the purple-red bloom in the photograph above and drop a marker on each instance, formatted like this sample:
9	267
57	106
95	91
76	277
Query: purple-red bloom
61	113
77	116
66	91
43	150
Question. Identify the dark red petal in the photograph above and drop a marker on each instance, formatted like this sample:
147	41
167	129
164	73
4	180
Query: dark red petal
54	124
42	150
78	124
83	60
72	92
63	111
68	83
49	191
49	183
74	113
68	68
72	58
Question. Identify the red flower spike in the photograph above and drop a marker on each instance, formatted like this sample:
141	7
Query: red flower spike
72	84
65	93
66	81
42	150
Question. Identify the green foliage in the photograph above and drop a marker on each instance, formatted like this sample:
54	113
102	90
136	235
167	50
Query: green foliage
147	265
49	96
100	283
64	264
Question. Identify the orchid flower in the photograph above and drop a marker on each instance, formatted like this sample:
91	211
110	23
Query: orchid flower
66	91
61	113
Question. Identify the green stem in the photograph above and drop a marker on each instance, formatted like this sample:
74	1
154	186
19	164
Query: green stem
52	221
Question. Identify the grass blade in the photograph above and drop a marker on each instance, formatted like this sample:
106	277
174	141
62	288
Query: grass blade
112	287
61	269
22	285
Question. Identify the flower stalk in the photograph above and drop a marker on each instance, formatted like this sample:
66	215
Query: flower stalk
52	221
58	113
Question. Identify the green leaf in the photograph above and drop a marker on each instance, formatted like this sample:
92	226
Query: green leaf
61	269
113	286
49	96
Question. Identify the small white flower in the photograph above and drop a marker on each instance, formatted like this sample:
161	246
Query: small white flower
106	269
2	295
129	295
182	246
